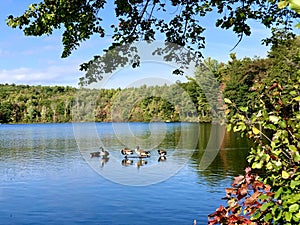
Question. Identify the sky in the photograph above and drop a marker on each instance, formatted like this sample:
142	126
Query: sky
37	60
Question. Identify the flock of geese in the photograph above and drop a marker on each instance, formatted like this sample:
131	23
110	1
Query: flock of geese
129	153
141	153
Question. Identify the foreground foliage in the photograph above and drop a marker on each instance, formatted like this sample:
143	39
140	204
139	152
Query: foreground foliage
271	119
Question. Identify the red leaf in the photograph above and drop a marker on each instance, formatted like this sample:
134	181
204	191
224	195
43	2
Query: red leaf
238	180
248	170
257	184
243	190
233	219
267	188
253	198
212	222
230	191
247	221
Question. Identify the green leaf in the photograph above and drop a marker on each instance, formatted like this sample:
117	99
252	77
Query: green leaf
236	128
295	183
282	124
293	198
243	108
274	119
285	174
270	126
257	165
297	158
269	166
265	206
273	144
292	148
227	100
259	114
229	126
294	207
295	5
282	4
255	130
288	216
267	217
278	214
255	216
293	92
297	98
263	197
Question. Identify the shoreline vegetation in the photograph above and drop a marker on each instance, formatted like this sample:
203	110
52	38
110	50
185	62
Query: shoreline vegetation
187	102
25	104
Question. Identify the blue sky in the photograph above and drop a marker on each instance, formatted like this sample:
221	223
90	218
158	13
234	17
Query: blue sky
36	60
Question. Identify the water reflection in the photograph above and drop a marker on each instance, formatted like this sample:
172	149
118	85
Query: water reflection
162	158
35	148
178	139
230	160
141	162
44	179
127	162
104	160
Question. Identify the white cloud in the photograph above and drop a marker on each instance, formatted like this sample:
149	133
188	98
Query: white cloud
53	75
4	53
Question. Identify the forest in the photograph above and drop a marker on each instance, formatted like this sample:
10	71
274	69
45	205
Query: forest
237	81
260	97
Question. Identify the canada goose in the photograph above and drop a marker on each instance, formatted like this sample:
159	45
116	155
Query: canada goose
126	152
94	154
127	162
162	152
140	163
104	153
142	153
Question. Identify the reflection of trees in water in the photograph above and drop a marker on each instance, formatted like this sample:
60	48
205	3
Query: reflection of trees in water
230	161
180	136
180	141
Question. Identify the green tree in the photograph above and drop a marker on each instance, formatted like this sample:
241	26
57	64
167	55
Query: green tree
6	109
239	75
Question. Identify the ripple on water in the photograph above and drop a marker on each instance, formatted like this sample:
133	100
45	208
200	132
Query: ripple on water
44	180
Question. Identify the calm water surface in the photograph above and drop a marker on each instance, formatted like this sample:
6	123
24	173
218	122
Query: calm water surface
45	179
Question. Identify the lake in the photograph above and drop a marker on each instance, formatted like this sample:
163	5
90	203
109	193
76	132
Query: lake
48	177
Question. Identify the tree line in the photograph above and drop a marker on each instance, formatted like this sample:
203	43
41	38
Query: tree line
51	104
237	80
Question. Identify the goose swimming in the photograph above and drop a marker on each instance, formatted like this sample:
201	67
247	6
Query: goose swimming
142	153
94	154
162	152
126	151
104	153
